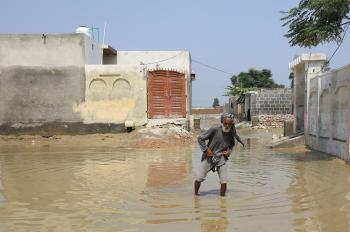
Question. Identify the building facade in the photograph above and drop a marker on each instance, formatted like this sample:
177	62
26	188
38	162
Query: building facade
326	120
261	102
71	83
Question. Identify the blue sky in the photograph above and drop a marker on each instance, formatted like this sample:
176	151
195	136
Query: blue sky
231	35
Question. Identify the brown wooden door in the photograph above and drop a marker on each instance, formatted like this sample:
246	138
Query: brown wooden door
166	94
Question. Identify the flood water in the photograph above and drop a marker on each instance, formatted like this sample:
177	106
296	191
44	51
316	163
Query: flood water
145	190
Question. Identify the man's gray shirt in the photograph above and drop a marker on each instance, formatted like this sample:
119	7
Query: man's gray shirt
219	141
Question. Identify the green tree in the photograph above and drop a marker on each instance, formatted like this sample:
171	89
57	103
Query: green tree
216	102
251	80
314	22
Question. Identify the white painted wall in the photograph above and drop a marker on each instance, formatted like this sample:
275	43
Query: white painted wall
305	67
329	113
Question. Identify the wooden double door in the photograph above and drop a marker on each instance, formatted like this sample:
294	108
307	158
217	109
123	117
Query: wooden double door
166	92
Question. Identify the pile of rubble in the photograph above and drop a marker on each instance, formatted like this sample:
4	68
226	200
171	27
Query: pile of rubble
164	134
270	121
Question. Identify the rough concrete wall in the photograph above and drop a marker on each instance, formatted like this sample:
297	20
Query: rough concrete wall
114	94
176	60
93	51
49	50
247	105
32	95
324	114
298	97
305	67
110	59
340	114
271	101
330	99
42	83
39	50
312	115
231	106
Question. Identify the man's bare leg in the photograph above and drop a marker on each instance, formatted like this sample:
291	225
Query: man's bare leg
223	190
197	184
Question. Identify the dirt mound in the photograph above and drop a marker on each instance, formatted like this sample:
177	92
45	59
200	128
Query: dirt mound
163	137
155	135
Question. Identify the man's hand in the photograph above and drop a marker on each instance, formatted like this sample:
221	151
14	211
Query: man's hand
226	153
209	152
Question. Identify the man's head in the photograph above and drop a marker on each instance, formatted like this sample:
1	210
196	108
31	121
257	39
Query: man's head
227	122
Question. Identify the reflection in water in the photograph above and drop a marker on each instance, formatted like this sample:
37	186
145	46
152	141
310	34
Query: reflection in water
248	143
135	190
318	193
167	171
88	191
212	217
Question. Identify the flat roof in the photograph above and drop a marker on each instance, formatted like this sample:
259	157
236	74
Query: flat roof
307	57
108	50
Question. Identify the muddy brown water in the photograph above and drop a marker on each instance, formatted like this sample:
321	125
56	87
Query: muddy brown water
147	190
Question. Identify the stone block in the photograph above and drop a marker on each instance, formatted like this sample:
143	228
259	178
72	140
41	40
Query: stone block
197	123
288	127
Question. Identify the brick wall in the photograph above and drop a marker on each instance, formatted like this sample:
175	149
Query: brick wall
271	102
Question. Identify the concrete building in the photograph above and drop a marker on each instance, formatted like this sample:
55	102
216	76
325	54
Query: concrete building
42	78
231	106
169	81
328	116
114	94
69	82
270	101
109	55
327	105
304	67
261	102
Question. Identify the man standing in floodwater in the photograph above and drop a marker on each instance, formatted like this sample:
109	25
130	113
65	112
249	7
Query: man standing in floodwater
216	151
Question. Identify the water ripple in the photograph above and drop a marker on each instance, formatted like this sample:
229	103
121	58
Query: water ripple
135	190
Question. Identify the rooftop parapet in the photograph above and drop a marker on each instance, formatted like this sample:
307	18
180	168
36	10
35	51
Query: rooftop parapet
307	57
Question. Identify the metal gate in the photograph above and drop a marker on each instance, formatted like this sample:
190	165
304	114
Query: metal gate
166	94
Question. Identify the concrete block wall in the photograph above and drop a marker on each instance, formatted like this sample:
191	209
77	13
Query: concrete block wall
271	102
328	116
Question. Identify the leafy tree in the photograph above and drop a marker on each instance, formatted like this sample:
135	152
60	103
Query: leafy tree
314	22
216	102
251	80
